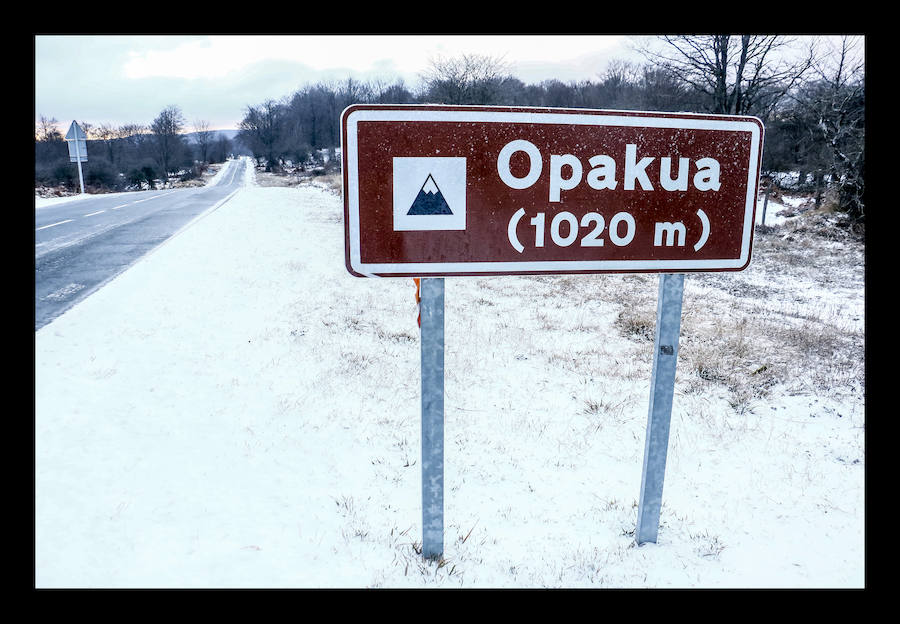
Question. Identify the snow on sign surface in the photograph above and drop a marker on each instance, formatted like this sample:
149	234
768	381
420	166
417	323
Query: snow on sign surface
469	190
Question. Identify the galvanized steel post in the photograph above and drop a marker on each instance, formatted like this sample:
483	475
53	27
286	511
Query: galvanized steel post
432	339
78	159
662	389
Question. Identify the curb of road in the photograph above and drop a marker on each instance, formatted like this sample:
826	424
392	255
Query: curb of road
192	222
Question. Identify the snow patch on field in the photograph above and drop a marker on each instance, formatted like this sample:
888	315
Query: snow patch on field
236	410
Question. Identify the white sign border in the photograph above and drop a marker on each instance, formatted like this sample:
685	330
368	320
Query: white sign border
685	121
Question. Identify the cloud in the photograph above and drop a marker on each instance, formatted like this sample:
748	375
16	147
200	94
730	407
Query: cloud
129	79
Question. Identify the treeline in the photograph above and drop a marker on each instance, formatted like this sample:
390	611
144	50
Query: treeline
813	107
130	156
299	127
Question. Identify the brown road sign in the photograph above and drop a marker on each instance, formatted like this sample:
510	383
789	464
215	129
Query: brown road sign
476	190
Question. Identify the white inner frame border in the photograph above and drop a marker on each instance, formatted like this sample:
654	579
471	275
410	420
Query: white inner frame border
551	266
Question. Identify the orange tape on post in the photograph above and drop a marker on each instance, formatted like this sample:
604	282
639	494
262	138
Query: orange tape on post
418	302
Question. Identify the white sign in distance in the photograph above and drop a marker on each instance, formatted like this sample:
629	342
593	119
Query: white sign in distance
77	140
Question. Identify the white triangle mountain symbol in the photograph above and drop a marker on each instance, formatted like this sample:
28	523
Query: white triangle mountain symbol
430	186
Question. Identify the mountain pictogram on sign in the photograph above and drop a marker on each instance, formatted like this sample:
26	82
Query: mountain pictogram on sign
430	200
429	193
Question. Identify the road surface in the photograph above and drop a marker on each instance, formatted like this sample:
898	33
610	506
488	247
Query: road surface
81	244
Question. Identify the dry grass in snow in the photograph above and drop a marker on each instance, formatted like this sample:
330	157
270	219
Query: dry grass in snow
237	410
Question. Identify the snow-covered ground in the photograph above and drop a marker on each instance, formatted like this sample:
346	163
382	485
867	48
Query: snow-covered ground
236	410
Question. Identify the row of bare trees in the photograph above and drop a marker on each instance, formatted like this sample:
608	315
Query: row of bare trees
812	102
299	127
811	99
129	155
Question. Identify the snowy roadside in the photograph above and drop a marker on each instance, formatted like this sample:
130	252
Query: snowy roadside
44	202
236	410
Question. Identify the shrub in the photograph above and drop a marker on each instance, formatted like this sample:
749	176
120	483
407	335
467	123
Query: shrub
139	175
193	172
100	173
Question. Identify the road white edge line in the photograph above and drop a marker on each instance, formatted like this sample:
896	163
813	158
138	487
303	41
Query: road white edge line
44	227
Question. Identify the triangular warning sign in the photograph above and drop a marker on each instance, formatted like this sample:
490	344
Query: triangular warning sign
75	133
430	200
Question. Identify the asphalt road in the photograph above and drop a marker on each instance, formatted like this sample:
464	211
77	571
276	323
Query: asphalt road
82	244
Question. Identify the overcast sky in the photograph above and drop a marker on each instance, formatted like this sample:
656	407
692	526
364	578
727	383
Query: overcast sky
121	79
130	79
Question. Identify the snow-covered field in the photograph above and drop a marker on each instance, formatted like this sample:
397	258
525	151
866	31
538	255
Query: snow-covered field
236	410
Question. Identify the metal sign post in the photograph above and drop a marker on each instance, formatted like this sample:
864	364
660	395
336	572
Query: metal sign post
765	203
77	140
432	338
662	389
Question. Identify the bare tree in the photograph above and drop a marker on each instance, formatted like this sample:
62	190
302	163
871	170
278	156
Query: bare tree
467	79
352	91
132	132
166	129
89	129
204	137
49	149
108	135
832	109
135	137
261	129
738	74
395	93
47	130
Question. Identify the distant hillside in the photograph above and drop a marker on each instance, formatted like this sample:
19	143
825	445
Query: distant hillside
228	134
